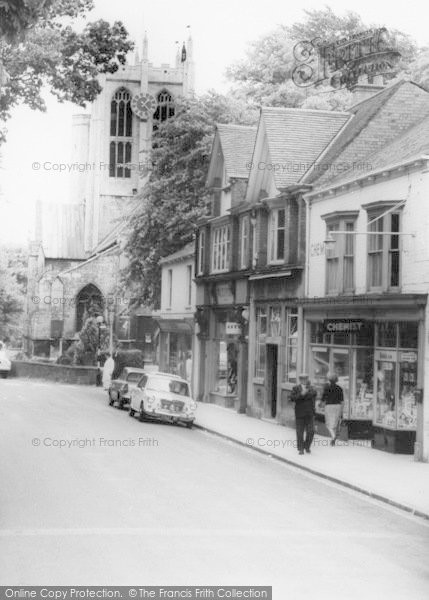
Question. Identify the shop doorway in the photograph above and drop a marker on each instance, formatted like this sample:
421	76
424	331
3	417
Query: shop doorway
272	362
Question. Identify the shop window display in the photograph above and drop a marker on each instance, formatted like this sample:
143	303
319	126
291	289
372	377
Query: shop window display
361	407
291	345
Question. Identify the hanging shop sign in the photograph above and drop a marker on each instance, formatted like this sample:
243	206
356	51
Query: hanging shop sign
343	325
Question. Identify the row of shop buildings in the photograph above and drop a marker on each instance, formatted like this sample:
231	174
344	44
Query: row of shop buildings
314	257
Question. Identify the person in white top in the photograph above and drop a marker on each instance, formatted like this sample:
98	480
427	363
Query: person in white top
108	367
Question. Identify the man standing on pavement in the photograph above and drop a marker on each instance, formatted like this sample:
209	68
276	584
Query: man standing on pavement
304	396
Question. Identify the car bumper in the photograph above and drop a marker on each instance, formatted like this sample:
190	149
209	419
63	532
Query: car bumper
172	417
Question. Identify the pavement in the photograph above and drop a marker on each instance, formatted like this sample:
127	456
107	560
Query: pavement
396	479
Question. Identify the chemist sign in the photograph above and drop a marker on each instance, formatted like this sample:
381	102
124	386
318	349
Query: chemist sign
343	325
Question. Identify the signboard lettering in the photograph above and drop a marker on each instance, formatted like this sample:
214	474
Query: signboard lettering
343	325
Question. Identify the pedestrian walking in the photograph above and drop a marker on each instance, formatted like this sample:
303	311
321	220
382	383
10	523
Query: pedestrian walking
304	396
332	400
108	369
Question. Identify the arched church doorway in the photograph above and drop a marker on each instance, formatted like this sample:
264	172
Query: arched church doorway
89	303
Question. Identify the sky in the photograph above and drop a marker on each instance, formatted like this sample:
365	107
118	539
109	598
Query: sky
221	31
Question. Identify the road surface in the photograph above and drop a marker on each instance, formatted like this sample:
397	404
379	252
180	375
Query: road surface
90	496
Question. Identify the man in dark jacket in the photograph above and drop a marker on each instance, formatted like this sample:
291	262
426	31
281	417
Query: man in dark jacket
304	396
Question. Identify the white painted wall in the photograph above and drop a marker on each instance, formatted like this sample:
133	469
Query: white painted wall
180	307
415	219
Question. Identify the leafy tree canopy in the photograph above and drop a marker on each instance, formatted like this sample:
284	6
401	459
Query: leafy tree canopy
175	194
264	77
39	46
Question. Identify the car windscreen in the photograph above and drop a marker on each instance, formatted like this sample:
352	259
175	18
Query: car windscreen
134	377
163	384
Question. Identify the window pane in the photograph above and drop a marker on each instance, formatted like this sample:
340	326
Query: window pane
113	117
375	269
365	337
275	321
408	335
387	335
281	218
280	244
348	274
112	159
361	407
121	117
394	268
407	408
129	120
385	400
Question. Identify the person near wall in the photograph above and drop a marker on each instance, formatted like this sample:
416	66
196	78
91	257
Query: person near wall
108	369
332	400
304	396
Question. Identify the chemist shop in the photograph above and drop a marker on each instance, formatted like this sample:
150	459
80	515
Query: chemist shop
375	352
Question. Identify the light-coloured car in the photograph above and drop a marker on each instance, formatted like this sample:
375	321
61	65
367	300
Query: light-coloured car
5	364
163	397
120	388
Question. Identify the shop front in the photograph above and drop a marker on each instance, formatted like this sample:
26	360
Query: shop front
174	345
375	352
222	339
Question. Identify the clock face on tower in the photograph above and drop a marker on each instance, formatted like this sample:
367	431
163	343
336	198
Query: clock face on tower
143	105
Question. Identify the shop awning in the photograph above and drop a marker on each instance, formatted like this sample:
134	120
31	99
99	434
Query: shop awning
175	326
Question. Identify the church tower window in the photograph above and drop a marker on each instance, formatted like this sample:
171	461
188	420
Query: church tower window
165	108
121	131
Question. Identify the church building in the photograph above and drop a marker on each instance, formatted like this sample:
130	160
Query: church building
76	257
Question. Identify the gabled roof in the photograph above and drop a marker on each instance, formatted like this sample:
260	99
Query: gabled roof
237	143
376	122
295	139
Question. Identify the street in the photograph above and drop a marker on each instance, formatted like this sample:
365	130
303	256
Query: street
172	506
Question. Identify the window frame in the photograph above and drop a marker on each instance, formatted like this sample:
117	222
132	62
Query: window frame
384	223
121	137
221	248
201	252
273	236
343	252
244	241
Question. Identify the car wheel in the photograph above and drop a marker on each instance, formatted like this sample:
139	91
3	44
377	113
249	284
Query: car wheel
132	412
4	375
189	424
111	402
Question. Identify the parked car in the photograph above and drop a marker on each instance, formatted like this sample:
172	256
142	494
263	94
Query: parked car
120	388
5	364
163	397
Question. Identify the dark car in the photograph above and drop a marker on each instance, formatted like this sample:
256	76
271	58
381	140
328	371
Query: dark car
120	388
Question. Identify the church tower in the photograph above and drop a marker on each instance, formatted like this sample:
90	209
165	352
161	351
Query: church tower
114	140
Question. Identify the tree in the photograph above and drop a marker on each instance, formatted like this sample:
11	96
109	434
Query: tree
265	76
175	194
40	47
12	290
